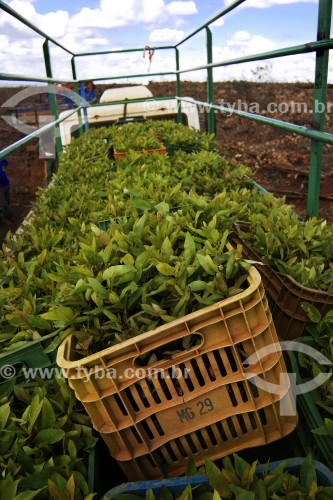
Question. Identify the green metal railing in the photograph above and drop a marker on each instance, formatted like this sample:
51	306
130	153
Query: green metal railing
316	133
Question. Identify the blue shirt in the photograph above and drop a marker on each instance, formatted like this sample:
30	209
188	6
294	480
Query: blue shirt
4	181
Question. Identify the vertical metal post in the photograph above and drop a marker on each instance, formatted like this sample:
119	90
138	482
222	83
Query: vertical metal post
319	108
52	96
178	86
210	82
83	101
77	100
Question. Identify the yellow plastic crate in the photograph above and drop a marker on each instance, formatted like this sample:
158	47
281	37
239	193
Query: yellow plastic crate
215	441
141	410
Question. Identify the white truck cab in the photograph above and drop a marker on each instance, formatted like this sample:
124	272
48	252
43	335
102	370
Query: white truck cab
97	116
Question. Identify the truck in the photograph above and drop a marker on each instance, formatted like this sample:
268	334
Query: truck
120	105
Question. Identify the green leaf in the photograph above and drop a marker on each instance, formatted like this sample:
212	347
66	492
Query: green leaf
63	314
10	488
329	426
325	493
58	340
150	495
98	288
186	494
4	415
81	482
165	269
85	271
189	248
227	465
139	225
231	477
165	494
36	480
38	322
163	208
118	271
230	265
97	299
34	411
48	415
320	431
242	494
56	493
128	259
143	259
259	489
207	263
216	478
140	204
308	474
241	466
50	436
166	247
312	311
191	469
28	494
25	461
197	286
223	240
72	449
59	480
106	254
61	460
71	487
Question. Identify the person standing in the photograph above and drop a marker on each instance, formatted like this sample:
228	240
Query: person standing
6	211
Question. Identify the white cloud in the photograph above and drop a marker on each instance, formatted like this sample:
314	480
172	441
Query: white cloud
53	23
4	42
96	18
182	8
8	23
166	35
96	41
240	36
151	11
179	21
130	13
217	23
243	43
264	4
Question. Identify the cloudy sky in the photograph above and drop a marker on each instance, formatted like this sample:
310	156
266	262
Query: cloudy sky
96	25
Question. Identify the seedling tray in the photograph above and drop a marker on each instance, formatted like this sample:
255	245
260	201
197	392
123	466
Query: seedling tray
31	355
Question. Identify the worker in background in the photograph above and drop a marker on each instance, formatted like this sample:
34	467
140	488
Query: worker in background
89	90
6	211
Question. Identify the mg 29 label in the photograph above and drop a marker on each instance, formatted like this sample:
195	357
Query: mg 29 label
201	407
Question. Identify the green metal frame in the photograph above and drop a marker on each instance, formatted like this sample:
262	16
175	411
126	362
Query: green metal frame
316	134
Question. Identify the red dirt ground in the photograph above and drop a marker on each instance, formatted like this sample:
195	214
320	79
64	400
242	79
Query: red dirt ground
279	160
